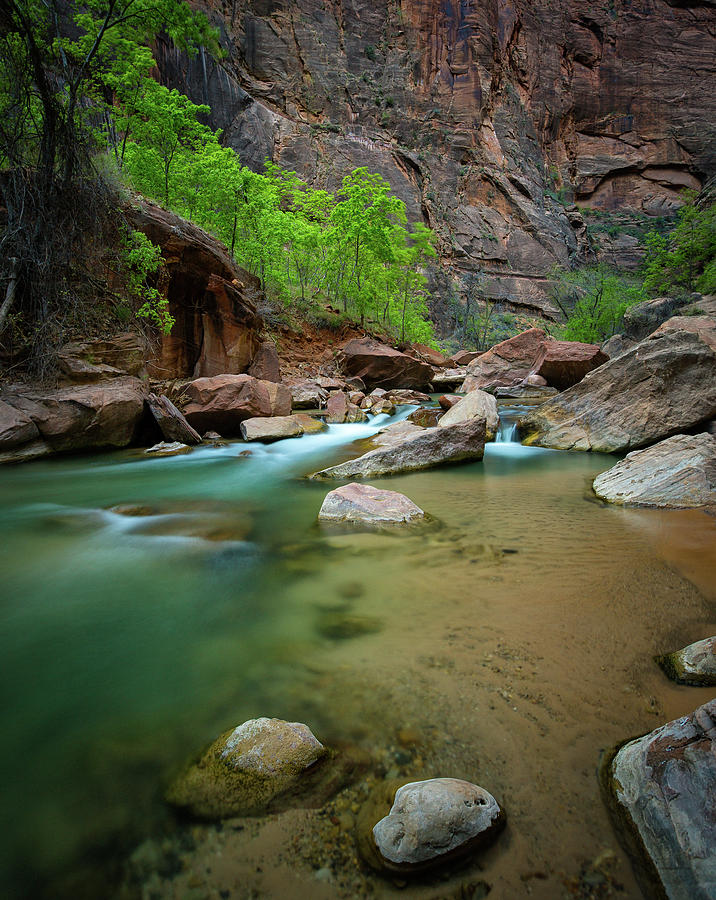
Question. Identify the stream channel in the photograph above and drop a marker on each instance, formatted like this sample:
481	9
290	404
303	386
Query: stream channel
510	644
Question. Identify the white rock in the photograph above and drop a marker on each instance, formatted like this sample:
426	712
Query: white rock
368	505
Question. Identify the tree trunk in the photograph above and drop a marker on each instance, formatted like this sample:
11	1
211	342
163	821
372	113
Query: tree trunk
10	292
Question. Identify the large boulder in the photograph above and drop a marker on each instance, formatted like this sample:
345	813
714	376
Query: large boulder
664	385
274	428
367	505
433	821
421	449
564	363
464	357
247	768
81	417
265	364
341	410
378	365
171	421
223	402
476	404
450	377
430	355
663	789
695	664
677	473
83	362
509	362
308	395
644	318
16	427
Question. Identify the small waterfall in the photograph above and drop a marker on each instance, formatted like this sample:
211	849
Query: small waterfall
507	430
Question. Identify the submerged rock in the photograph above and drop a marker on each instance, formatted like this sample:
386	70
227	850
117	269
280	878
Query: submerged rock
166	448
662	386
368	505
337	625
431	822
676	473
664	790
695	664
245	769
310	424
476	404
427	448
275	428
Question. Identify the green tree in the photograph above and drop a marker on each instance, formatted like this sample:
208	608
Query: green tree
684	260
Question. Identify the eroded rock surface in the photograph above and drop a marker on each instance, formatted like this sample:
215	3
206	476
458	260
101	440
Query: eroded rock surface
476	404
367	505
223	402
664	785
676	473
171	421
565	363
507	363
695	664
378	365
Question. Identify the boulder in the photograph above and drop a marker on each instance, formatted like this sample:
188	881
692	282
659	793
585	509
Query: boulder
616	345
677	473
426	416
564	363
509	362
310	424
663	789
247	768
526	391
308	395
664	385
221	403
171	422
368	505
166	448
431	356
449	377
265	364
447	401
82	417
695	664
279	398
383	406
337	407
83	362
433	821
427	448
378	365
476	404
464	357
644	318
270	429
16	428
399	397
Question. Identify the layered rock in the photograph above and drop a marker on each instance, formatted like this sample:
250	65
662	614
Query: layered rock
247	768
676	473
367	505
421	448
378	365
223	402
664	789
663	385
695	664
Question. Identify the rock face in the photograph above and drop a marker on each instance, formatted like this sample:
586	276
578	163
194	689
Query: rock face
422	449
431	821
378	365
676	473
695	664
489	119
275	428
171	422
507	363
476	404
663	385
83	417
223	402
368	505
247	768
565	363
217	328
664	786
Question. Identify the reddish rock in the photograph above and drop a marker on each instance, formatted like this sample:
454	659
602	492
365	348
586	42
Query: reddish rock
508	363
83	362
173	425
308	395
447	401
431	356
265	364
402	397
378	365
337	407
426	416
464	357
279	398
16	428
223	402
565	363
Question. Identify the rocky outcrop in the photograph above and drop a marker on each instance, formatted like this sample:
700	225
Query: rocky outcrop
676	473
107	414
664	385
507	363
565	363
616	345
489	119
223	402
369	506
274	428
171	422
83	362
433	821
378	365
247	768
414	449
663	787
476	404
217	328
694	665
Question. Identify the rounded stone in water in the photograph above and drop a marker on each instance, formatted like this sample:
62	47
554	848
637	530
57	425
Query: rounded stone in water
431	821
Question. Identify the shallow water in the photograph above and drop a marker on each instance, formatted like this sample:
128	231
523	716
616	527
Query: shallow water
512	642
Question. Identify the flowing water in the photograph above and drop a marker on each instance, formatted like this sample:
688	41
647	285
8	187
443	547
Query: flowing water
148	605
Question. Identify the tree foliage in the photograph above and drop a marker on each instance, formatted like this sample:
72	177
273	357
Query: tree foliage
593	301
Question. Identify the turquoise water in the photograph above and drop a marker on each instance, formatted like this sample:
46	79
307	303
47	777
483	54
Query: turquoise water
131	636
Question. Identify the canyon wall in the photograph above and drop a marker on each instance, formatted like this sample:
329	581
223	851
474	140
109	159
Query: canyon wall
492	119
